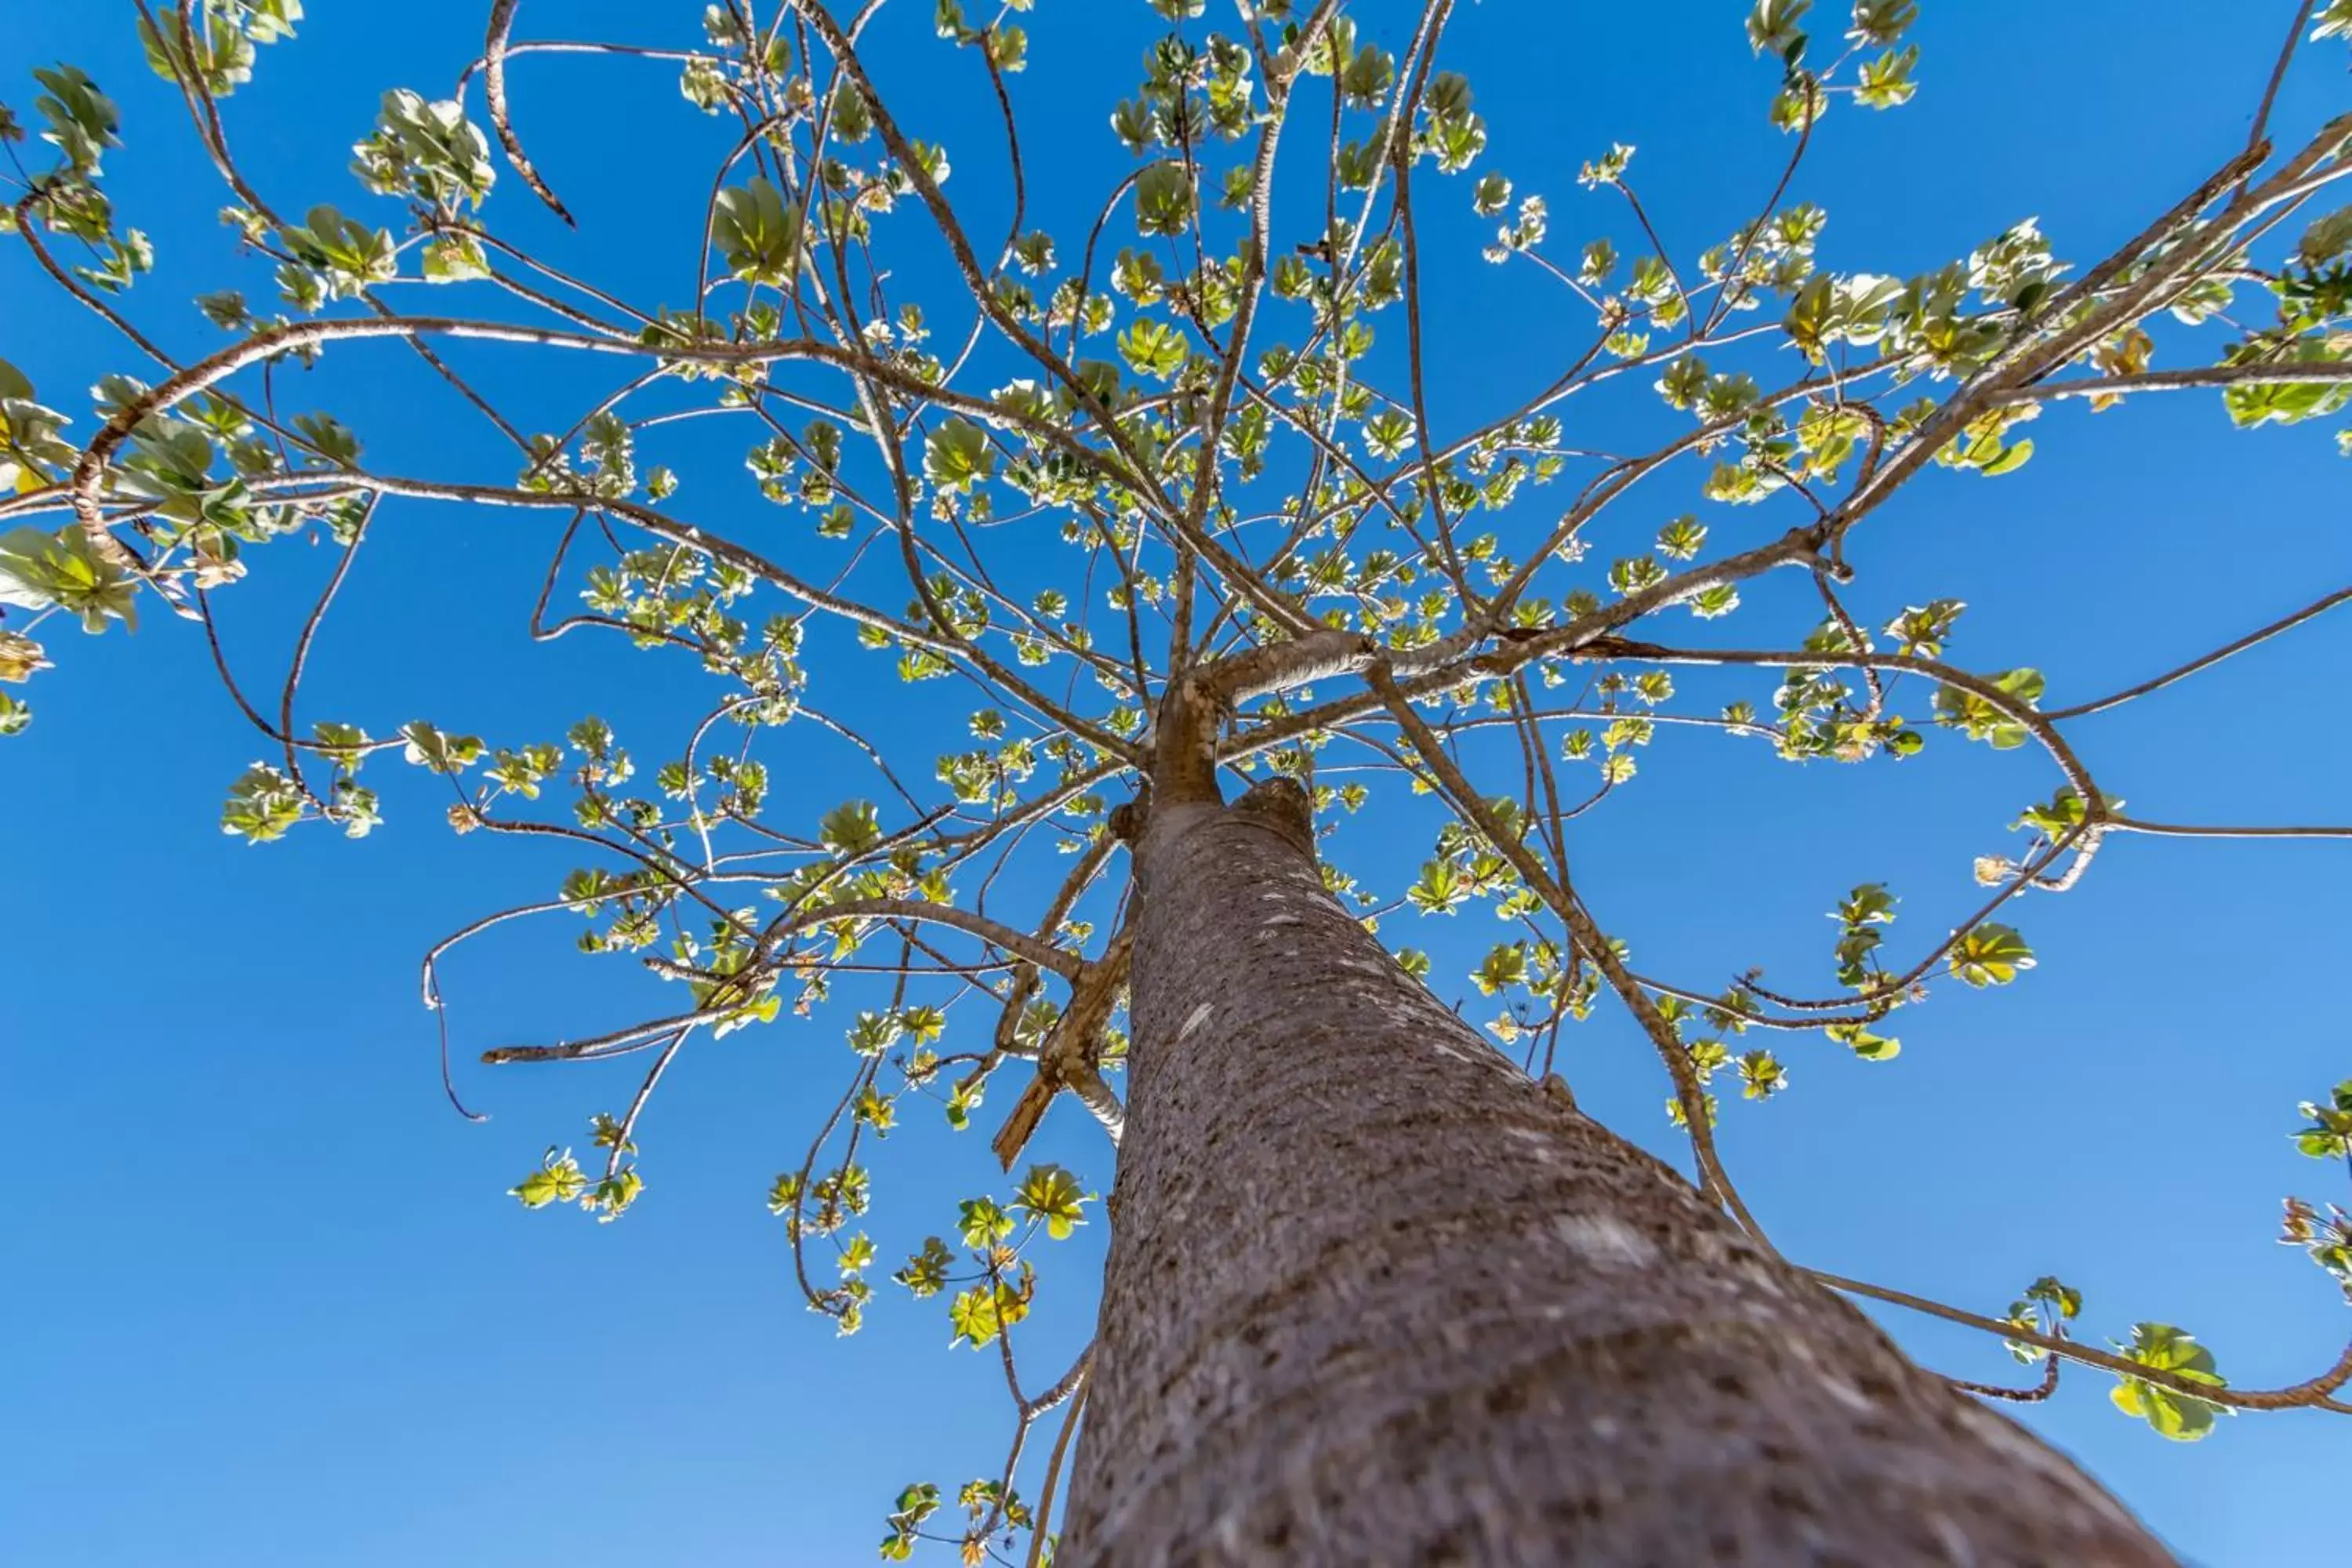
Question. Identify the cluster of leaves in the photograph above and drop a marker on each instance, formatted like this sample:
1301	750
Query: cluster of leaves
1717	1022
1000	1286
426	150
2326	1134
559	1180
2047	1309
1409	541
1049	1200
214	42
991	1509
1861	916
2183	1418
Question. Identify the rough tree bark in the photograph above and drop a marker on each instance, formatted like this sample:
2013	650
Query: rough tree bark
1374	1298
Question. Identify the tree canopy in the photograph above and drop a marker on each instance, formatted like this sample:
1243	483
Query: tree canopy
1069	490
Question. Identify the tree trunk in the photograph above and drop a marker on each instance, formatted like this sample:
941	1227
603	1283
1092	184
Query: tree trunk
1374	1298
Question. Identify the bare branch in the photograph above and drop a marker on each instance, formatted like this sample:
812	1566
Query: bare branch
2206	662
494	93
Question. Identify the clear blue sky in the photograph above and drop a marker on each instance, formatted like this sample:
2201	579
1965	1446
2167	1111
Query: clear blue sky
266	1302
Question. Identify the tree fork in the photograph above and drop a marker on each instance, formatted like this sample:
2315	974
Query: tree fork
1449	1319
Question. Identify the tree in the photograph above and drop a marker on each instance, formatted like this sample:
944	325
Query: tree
1378	1287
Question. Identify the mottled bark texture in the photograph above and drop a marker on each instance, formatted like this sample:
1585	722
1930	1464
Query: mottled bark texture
1375	1298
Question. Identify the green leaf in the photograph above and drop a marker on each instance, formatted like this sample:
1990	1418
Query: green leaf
2047	1306
428	747
784	1195
454	258
1050	1194
957	456
1807	322
760	236
610	1198
2285	404
1829	310
1922	630
1887	80
925	1273
2182	1417
1610	167
987	1310
170	463
2327	1239
221	60
337	256
1008	47
20	657
982	1223
2328	1136
2012	458
121	260
1368	77
1388	433
427	150
1709	603
703	83
1985	720
1869	904
1504	966
83	121
1163	199
1773	25
558	1179
1681	539
1858	1038
522	772
1882	22
1441	887
1156	349
853	827
262	806
1990	955
1762	1075
267	21
354	807
875	1110
2062	815
2064	1298
2326	239
329	437
916	1504
38	569
1635	572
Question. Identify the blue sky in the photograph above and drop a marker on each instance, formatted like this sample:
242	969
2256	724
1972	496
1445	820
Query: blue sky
268	1304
